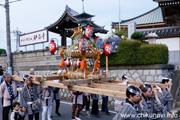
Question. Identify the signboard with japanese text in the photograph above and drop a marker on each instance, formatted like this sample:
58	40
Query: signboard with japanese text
34	38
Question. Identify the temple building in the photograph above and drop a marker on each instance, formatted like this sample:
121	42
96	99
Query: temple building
164	21
69	20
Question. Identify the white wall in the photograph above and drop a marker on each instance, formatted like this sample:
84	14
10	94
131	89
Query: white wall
172	43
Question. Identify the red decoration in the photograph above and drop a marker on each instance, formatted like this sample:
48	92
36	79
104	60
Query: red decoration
79	62
52	47
88	31
67	62
83	45
107	49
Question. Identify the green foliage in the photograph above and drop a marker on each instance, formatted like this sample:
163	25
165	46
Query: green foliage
125	55
112	59
92	43
137	36
153	54
122	32
136	53
145	42
2	51
127	52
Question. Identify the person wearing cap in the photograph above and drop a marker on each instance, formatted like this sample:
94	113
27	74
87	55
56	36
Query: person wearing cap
8	91
118	101
29	95
151	104
130	109
167	95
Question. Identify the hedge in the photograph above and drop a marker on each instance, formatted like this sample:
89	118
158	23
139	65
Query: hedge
136	53
127	52
153	54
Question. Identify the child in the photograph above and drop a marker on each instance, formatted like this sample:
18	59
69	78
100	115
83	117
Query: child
17	113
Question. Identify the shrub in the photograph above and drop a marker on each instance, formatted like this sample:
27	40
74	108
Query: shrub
153	54
112	59
2	51
137	36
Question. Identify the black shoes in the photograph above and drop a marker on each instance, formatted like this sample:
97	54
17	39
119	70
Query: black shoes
98	116
59	114
108	113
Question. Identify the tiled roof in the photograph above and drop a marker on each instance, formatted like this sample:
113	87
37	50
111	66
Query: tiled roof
73	13
150	17
162	32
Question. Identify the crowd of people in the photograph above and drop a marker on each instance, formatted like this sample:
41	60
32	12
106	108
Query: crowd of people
30	100
145	102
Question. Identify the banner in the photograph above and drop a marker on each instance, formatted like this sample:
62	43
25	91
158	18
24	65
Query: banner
33	38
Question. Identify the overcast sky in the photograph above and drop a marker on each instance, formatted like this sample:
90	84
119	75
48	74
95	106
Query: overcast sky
33	15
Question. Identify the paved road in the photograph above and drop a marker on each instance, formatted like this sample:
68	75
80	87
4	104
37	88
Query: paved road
65	110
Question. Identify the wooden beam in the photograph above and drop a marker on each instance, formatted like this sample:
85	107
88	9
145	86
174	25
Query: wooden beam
53	78
76	82
86	81
40	77
105	92
140	83
102	88
109	87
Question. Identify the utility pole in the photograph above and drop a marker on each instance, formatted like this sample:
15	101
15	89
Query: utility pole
119	16
17	33
8	37
83	5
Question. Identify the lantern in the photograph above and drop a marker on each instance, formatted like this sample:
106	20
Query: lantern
107	49
83	45
52	47
88	31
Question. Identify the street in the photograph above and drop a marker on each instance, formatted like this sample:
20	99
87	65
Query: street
66	112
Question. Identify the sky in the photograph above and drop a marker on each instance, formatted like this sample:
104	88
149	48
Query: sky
33	15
